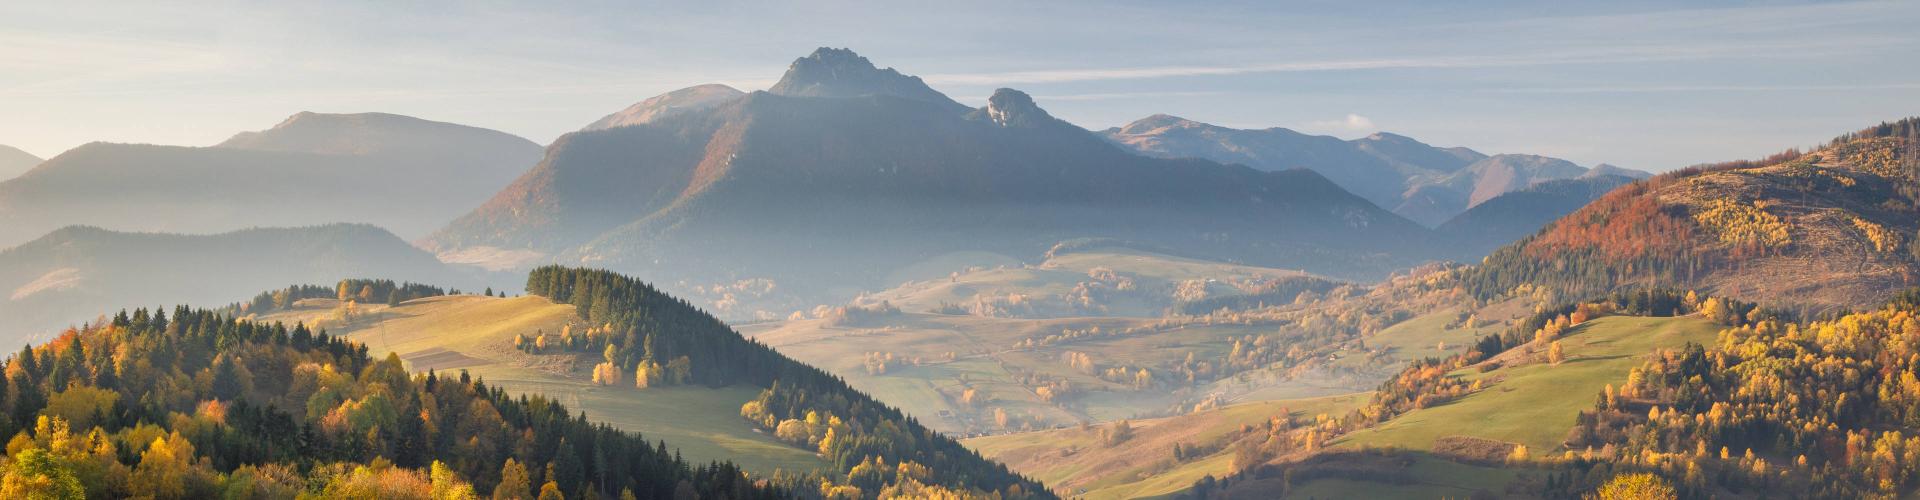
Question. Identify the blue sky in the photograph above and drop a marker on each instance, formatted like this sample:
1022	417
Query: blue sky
1650	85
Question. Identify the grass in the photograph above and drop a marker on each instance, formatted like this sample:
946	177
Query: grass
1430	477
1421	336
475	334
1534	404
1076	460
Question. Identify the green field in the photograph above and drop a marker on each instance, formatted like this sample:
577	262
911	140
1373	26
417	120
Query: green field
1536	403
1423	336
1429	477
475	334
1075	459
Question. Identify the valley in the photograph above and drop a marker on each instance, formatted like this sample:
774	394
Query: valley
1061	251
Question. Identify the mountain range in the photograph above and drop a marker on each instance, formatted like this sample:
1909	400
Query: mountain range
844	172
402	173
1424	183
77	273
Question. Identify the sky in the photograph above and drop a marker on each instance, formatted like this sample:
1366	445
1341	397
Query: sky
1648	85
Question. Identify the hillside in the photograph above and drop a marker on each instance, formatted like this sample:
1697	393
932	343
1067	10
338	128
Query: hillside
198	404
848	174
14	162
74	274
685	100
405	174
638	359
475	334
1832	228
1420	182
1509	217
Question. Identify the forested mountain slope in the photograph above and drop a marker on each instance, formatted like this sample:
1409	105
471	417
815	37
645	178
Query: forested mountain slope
1831	228
1509	217
197	404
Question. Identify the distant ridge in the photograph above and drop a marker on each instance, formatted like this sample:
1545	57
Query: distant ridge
14	162
402	173
1516	214
1418	181
76	273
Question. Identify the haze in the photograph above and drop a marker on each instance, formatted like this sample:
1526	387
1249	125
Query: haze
1647	85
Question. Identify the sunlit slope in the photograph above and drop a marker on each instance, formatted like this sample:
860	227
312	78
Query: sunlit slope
475	334
1535	403
1078	460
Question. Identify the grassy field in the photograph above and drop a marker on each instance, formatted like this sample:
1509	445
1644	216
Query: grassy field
1155	275
1428	477
475	333
1535	403
1074	459
1427	336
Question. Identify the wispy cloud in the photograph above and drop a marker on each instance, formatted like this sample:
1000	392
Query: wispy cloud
1653	89
1613	55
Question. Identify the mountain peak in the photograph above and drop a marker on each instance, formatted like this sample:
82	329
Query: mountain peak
1013	108
831	72
1157	122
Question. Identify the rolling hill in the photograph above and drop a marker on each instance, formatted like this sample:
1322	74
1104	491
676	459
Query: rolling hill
640	360
77	273
1421	182
475	334
1828	229
14	162
269	410
845	173
405	174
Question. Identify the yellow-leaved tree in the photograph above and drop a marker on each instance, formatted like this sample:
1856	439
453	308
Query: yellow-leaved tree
1639	486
